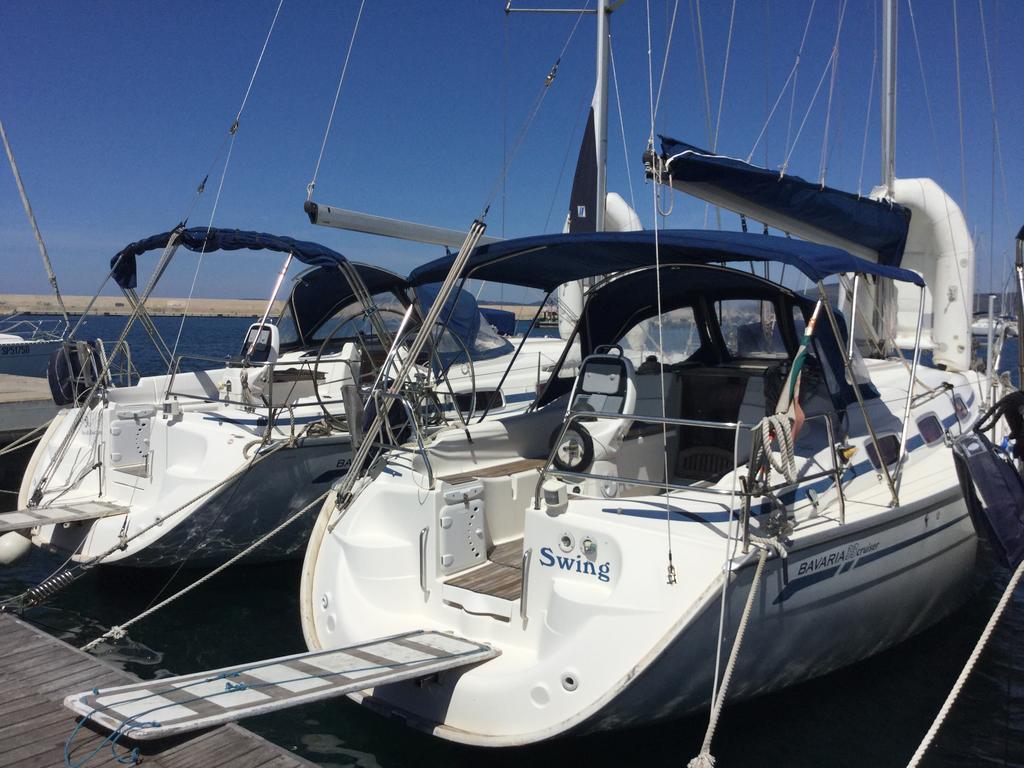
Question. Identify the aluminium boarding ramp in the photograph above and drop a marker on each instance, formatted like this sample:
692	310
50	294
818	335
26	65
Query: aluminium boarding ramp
159	708
73	512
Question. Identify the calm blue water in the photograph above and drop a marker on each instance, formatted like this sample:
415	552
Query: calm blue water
871	714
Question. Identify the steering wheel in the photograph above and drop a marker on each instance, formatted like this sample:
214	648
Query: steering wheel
332	419
429	406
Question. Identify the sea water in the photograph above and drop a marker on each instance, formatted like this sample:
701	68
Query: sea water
871	714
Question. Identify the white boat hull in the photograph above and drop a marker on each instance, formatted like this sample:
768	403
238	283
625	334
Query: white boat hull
252	506
27	357
919	570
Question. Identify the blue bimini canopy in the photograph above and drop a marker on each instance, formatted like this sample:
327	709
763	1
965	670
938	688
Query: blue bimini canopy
547	261
207	240
812	211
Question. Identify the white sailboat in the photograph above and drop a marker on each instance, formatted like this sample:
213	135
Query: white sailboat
722	475
620	538
196	465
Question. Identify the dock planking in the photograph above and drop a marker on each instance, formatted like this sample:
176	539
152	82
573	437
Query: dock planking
37	671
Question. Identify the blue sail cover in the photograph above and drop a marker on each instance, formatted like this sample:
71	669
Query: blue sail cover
547	261
504	322
877	225
461	315
206	240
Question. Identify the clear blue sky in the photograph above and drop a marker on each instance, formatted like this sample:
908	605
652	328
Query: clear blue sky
116	110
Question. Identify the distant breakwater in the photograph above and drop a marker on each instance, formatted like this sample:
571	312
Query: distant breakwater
42	304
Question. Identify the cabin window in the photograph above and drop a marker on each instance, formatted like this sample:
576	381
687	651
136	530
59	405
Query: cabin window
750	328
890	447
680	338
963	413
799	323
350	320
479	401
288	330
931	429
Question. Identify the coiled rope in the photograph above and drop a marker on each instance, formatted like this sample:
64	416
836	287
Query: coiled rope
779	427
979	648
705	759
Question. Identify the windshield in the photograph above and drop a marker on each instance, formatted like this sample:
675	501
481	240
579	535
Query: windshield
679	338
288	330
750	329
351	320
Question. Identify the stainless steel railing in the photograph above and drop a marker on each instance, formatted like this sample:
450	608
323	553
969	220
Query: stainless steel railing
750	486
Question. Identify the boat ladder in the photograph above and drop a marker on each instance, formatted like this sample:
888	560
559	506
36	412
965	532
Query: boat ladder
172	705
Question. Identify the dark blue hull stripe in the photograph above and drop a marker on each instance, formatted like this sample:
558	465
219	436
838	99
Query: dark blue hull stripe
262	421
801	583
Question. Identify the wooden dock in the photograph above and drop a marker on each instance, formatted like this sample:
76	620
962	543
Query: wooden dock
37	671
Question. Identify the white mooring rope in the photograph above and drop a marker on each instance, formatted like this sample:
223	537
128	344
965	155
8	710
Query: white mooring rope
940	718
118	631
705	759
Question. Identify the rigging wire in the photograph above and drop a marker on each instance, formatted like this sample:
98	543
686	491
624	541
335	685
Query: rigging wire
997	148
699	35
871	95
823	163
721	101
655	188
767	64
960	107
534	110
202	253
505	43
725	74
232	134
622	124
796	74
664	63
791	78
934	133
924	87
817	90
337	96
698	32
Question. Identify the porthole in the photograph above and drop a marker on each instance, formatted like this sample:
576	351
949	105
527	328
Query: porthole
962	411
930	428
890	448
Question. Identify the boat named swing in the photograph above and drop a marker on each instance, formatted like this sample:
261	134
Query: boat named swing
636	495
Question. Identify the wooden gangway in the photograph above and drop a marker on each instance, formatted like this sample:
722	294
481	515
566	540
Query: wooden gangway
37	671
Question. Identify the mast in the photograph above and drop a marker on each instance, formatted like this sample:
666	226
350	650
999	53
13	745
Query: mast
1020	306
600	107
889	28
35	227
